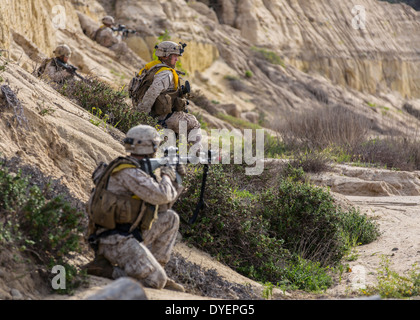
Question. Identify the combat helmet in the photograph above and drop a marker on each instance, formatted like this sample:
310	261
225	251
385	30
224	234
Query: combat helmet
142	140
62	50
166	48
108	20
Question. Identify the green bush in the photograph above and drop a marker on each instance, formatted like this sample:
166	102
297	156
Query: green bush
229	228
357	228
290	233
268	55
303	274
51	228
98	97
249	74
306	218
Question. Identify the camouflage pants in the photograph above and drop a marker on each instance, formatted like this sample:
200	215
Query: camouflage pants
190	122
144	261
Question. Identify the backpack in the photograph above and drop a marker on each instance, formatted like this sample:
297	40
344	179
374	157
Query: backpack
142	81
139	85
109	210
40	71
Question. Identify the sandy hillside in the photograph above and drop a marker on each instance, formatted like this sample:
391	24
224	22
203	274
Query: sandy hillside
252	60
66	145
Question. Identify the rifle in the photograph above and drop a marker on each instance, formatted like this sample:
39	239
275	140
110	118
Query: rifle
70	68
171	158
122	28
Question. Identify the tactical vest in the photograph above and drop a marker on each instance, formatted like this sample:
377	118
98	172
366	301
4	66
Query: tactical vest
109	210
95	35
43	66
168	101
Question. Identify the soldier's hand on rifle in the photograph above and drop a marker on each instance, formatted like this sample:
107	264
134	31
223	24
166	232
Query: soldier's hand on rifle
180	168
169	171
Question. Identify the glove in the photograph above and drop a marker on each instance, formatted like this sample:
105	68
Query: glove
180	168
169	171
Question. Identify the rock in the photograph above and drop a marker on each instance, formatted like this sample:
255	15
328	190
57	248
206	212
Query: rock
89	26
250	116
231	109
4	295
16	295
121	289
204	10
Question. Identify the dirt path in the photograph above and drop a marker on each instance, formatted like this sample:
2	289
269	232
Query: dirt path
399	221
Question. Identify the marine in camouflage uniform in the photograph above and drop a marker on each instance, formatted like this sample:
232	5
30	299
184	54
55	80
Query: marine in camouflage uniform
144	259
105	36
51	69
165	80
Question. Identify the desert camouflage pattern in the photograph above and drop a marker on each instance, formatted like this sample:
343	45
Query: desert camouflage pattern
166	48
56	73
144	261
135	181
105	37
163	81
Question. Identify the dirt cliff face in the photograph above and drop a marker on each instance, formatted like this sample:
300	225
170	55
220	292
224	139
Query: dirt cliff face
250	58
253	59
367	45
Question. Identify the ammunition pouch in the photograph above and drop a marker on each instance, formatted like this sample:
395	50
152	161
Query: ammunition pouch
168	102
150	216
134	86
162	105
111	209
179	104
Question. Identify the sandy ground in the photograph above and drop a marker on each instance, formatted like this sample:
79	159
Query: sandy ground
399	221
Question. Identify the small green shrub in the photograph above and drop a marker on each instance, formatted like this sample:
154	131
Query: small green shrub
302	274
248	74
268	55
53	226
93	94
30	219
229	228
306	218
357	228
393	285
